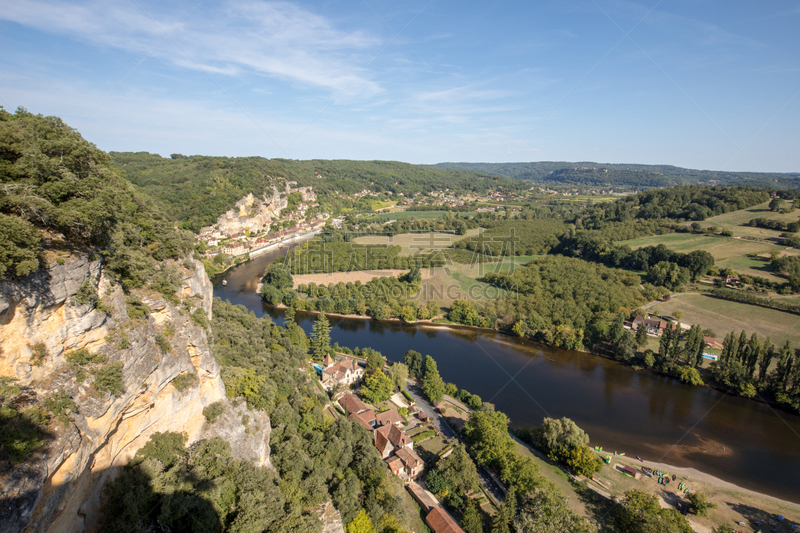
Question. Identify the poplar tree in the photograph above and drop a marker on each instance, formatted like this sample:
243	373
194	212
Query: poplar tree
320	337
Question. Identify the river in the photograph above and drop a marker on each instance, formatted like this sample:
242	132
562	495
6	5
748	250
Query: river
637	412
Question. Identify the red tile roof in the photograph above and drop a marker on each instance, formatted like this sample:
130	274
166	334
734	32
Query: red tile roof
441	522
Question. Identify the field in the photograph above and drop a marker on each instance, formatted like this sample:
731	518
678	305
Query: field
722	317
734	220
729	252
397	215
363	276
415	243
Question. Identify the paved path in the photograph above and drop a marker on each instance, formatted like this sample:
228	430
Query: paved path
489	481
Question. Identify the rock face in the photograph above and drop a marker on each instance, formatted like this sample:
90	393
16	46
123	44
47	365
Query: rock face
60	487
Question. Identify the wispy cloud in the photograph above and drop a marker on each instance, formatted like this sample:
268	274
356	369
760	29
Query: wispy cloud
276	39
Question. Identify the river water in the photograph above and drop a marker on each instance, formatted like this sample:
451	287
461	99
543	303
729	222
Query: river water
636	412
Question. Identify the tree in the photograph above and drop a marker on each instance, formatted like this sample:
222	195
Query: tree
625	348
375	361
361	524
549	511
408	313
641	336
398	373
459	471
377	388
472	520
413	360
583	461
503	521
487	434
432	383
775	204
278	276
320	337
699	504
641	513
559	437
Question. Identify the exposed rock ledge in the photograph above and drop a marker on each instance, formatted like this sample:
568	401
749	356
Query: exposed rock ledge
60	488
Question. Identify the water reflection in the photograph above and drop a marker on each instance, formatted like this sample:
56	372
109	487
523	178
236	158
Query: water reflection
637	412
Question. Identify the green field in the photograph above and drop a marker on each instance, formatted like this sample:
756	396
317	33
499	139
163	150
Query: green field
415	243
722	317
734	220
397	215
728	252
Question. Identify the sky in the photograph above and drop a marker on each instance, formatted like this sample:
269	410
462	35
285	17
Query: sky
695	83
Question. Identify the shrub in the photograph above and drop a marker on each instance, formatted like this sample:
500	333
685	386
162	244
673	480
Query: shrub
83	357
200	318
60	405
163	343
39	353
86	294
213	411
423	436
109	379
184	381
137	308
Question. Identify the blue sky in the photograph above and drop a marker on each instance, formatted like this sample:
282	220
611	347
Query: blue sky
701	83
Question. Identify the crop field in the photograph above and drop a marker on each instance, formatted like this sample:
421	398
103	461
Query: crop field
397	215
412	243
734	221
722	317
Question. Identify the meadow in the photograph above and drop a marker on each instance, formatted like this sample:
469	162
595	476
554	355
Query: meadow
722	317
735	219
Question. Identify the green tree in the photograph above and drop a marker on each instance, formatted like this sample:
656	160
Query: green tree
413	360
408	313
398	373
377	388
487	434
320	337
375	361
361	524
775	204
641	513
472	519
699	504
559	437
459	471
432	384
583	461
548	511
641	336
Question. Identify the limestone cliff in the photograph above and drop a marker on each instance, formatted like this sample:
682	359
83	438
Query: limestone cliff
60	487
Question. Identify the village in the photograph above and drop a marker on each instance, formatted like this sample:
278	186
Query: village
255	225
396	426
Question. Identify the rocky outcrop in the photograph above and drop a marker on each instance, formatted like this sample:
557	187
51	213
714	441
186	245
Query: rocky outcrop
60	487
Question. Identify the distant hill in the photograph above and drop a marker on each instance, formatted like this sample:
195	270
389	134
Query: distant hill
630	175
198	189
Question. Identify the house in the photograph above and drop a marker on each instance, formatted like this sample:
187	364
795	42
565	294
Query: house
365	418
441	522
412	464
389	439
344	372
395	465
653	327
711	342
389	417
731	280
353	404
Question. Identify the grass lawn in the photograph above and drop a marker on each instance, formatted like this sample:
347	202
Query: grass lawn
722	317
722	248
412	243
751	266
397	215
734	220
429	450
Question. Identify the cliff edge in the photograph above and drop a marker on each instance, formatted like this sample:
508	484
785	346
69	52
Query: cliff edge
51	343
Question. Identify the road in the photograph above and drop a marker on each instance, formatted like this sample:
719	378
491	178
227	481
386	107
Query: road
489	481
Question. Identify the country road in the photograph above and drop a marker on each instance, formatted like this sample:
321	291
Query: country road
490	483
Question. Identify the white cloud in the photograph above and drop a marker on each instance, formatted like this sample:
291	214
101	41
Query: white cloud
276	39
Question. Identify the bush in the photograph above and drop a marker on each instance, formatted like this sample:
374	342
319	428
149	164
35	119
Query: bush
423	436
39	353
163	343
60	406
109	379
137	308
213	411
184	381
86	294
200	318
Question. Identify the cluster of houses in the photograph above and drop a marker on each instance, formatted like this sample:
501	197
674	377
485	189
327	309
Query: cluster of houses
395	447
